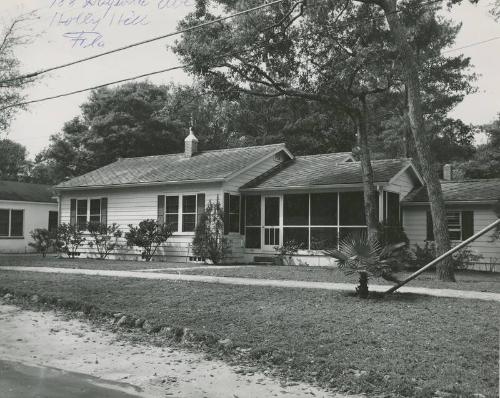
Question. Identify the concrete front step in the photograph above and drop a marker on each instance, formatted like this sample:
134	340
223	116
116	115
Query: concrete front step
263	260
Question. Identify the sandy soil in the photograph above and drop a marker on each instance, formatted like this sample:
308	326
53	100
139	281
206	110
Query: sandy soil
50	339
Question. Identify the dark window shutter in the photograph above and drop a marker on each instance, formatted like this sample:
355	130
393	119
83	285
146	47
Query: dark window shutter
161	209
430	230
72	212
467	224
104	211
226	213
242	214
53	220
200	205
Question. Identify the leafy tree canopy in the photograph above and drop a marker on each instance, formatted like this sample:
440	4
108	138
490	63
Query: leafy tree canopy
13	162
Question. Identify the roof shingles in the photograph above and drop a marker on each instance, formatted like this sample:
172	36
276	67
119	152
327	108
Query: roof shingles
207	165
24	192
318	170
460	191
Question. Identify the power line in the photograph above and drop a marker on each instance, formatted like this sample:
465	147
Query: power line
182	67
472	44
139	43
181	31
169	70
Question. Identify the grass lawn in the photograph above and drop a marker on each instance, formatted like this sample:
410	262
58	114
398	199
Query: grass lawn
466	280
404	345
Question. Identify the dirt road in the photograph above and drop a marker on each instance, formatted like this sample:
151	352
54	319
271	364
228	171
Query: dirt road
48	339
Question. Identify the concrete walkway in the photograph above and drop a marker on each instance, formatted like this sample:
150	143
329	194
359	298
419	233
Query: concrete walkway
466	294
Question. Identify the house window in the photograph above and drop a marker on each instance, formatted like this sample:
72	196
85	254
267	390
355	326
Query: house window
188	213
11	223
172	212
460	225
182	212
95	210
454	221
81	214
83	211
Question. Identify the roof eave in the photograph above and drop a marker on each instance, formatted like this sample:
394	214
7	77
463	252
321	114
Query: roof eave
451	202
307	187
141	184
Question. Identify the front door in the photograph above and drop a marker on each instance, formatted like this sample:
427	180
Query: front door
271	222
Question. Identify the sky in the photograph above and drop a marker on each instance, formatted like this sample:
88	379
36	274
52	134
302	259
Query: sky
58	39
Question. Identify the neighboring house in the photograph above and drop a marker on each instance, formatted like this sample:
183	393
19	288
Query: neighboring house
269	197
470	208
24	207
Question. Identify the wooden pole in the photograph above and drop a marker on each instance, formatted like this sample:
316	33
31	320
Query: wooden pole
444	255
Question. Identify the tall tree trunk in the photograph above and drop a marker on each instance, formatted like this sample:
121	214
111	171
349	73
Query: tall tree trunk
445	270
369	190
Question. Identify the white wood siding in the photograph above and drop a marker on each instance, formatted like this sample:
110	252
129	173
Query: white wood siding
36	215
132	205
415	226
403	184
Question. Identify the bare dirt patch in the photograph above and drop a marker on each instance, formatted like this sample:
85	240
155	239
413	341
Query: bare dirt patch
50	339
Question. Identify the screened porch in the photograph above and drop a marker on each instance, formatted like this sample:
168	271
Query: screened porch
315	220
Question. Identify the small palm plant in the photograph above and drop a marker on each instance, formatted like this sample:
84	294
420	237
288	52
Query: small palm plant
364	255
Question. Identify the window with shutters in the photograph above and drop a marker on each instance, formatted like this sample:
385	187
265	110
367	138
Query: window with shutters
11	223
460	224
182	212
87	210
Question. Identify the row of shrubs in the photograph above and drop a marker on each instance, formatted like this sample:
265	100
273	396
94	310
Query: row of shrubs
209	241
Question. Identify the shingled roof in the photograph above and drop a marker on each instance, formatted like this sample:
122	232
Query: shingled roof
460	191
327	169
203	166
24	192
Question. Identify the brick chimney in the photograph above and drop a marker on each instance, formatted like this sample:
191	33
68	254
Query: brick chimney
190	144
447	172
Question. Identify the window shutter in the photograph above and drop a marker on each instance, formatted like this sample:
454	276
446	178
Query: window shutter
430	230
242	214
226	213
104	211
200	205
161	209
72	212
467	224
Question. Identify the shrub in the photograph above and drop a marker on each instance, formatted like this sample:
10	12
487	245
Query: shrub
148	236
366	256
69	239
43	240
287	250
461	259
209	240
104	237
390	234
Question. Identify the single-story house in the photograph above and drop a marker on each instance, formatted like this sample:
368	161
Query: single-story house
269	197
24	207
